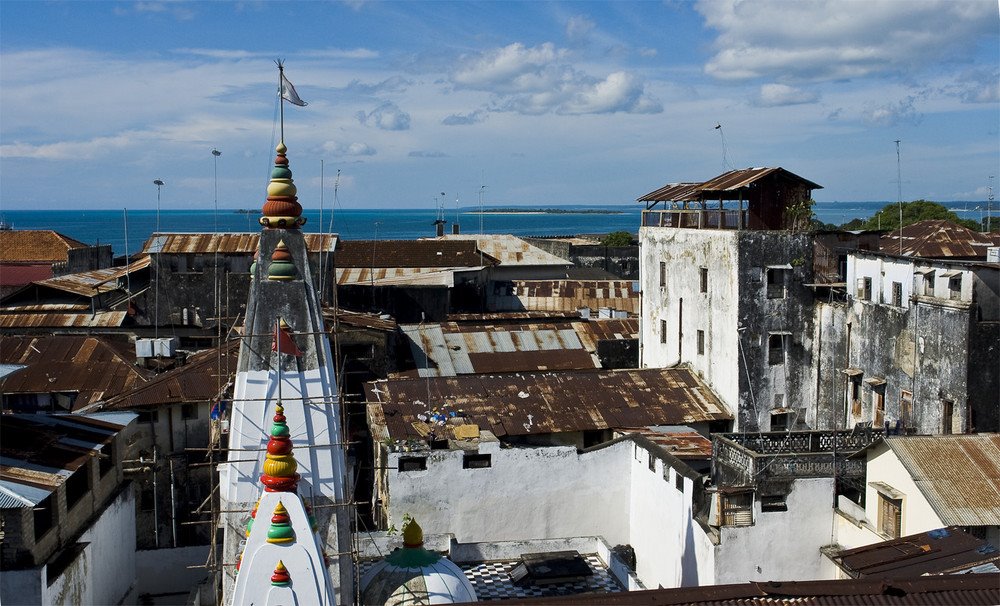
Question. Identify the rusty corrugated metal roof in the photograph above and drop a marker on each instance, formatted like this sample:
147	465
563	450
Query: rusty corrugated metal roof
397	276
225	243
506	249
33	245
726	182
969	498
94	368
443	254
540	403
101	319
95	282
685	444
360	319
570	295
940	551
937	590
453	349
205	377
936	238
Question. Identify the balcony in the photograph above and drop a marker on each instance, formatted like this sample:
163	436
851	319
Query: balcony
696	218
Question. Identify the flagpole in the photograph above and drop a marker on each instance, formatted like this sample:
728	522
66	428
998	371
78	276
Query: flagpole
281	97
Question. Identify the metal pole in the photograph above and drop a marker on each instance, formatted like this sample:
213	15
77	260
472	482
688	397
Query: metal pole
173	505
156	506
899	196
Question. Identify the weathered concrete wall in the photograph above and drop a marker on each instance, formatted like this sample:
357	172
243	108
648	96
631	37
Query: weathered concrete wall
829	359
680	307
984	376
150	565
782	545
622	261
527	493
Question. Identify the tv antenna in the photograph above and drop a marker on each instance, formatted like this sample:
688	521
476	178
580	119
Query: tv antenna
727	163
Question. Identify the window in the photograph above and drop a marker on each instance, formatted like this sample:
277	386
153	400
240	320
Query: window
906	406
701	342
864	289
737	509
929	284
776	282
77	486
149	416
897	294
854	396
773	503
44	516
947	416
889	515
663	274
477	461
189	411
106	462
678	481
412	463
775	349
955	287
703	272
663	331
779	421
652	462
878	406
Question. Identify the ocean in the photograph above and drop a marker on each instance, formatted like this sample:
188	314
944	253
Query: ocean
109	226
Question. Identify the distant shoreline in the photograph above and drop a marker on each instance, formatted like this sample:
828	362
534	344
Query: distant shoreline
543	211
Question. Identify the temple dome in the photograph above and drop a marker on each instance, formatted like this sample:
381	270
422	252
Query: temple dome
415	576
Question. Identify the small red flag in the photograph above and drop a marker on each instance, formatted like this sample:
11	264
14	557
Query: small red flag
283	342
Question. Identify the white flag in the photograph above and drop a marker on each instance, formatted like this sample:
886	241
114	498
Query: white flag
288	92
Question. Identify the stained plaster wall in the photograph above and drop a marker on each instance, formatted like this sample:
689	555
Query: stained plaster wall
781	545
829	359
103	572
622	261
557	492
685	309
735	315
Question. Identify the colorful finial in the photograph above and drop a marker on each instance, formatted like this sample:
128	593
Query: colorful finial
253	516
281	528
281	267
413	534
279	462
280	577
253	265
239	560
282	208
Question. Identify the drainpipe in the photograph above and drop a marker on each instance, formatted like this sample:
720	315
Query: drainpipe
173	505
156	507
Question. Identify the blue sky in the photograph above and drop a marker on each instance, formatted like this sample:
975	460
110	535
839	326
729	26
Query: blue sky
544	103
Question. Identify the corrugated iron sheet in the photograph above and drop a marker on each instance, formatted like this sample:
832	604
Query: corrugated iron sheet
101	319
95	282
726	182
682	444
397	276
940	551
936	239
205	377
539	403
456	349
569	295
969	498
673	192
225	243
93	367
442	254
507	249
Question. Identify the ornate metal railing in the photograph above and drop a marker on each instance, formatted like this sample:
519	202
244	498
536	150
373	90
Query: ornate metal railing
693	218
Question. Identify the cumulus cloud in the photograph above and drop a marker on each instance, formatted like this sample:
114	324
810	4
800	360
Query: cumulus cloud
340	148
68	150
465	119
891	114
776	95
539	80
825	39
427	154
647	52
393	84
387	116
176	10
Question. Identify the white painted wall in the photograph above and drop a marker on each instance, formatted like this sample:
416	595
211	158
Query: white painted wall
662	530
151	563
917	515
528	493
781	546
685	251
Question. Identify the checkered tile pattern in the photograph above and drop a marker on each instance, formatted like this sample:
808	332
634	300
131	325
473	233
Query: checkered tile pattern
492	580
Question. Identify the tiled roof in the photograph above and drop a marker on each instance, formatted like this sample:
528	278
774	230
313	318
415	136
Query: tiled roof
409	254
959	475
540	403
93	367
29	245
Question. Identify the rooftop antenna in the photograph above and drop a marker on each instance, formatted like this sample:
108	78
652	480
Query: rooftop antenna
216	153
899	196
482	194
158	183
989	207
727	163
156	277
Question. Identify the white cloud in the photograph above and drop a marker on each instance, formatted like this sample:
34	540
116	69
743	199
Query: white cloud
831	39
387	116
538	80
775	95
339	148
68	150
647	52
579	27
891	114
465	119
427	154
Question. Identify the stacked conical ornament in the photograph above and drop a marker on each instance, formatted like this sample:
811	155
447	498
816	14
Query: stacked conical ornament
282	208
279	463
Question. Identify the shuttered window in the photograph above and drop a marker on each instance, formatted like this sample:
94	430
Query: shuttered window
889	515
737	509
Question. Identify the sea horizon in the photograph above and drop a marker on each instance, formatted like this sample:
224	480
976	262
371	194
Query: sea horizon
105	226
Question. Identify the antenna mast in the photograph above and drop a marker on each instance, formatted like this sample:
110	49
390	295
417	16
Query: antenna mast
899	196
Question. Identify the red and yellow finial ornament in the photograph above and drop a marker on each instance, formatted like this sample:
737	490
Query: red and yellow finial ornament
279	462
281	578
282	208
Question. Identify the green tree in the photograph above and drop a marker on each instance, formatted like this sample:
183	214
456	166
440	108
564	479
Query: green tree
919	210
617	238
